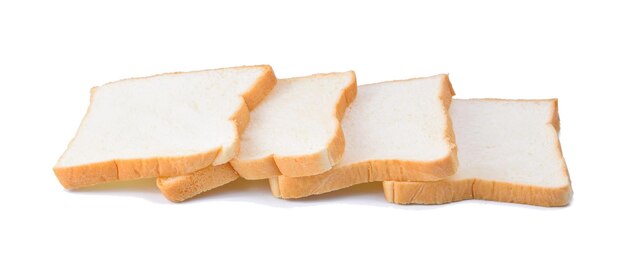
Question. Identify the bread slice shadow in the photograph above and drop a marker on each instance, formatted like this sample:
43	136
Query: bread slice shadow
142	188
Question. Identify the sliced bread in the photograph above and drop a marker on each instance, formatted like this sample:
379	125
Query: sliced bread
163	125
397	129
296	130
509	151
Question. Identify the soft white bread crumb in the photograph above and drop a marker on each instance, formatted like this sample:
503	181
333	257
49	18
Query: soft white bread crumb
296	130
508	151
404	120
508	141
397	129
163	125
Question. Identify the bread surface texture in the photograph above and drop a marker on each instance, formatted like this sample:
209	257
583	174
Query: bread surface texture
397	129
509	151
297	129
164	125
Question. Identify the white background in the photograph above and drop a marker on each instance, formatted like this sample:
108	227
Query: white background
53	52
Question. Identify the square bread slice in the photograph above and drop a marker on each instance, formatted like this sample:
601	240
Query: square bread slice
509	151
397	129
163	125
295	130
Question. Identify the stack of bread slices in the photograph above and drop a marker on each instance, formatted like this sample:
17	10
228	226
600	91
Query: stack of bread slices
310	135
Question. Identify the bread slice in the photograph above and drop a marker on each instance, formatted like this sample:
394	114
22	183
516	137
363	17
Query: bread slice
296	130
397	129
163	125
299	119
180	188
509	151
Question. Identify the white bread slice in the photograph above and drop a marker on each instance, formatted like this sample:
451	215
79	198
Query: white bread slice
509	151
296	130
302	115
397	129
163	125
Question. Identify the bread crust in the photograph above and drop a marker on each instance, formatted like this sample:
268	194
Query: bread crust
127	169
301	165
447	191
375	170
370	171
180	188
442	192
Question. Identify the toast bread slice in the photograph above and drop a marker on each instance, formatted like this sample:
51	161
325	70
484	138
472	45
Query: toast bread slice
509	151
297	129
162	125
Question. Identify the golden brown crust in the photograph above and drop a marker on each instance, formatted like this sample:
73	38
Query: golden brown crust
92	174
446	191
262	88
256	169
370	171
126	169
275	165
446	97
556	120
180	188
335	179
348	96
